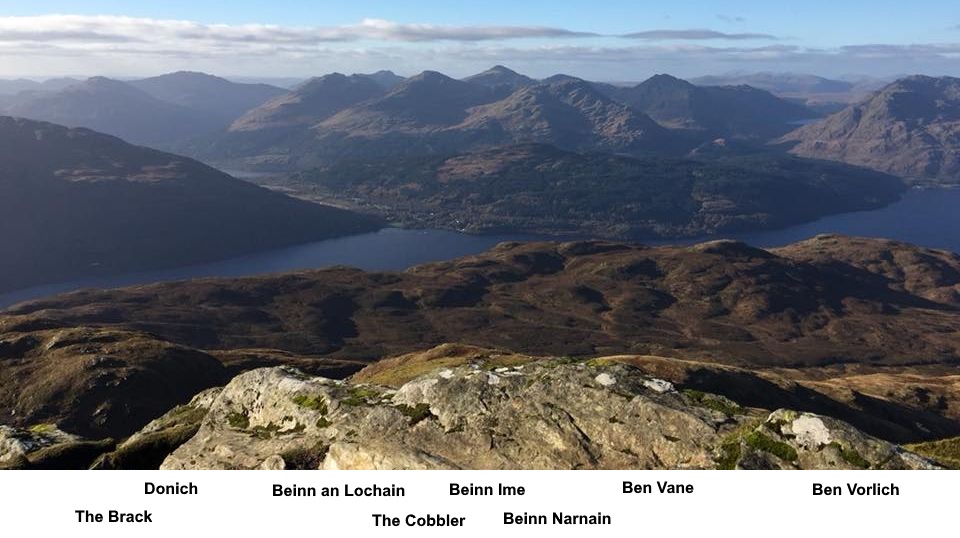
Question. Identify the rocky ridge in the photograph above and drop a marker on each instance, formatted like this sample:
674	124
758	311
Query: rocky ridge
464	407
504	411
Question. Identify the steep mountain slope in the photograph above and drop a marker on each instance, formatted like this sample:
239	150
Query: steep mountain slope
115	108
78	203
421	103
539	188
313	101
571	114
910	128
207	94
720	111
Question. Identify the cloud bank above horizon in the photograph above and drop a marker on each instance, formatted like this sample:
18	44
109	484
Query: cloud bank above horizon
50	45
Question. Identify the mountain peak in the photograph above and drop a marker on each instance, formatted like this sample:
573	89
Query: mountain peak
498	70
309	103
386	79
197	75
664	80
104	86
429	75
318	82
432	82
500	78
560	78
908	128
104	82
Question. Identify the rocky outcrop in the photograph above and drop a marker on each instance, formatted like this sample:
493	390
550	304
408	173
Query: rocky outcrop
45	446
791	440
147	448
15	443
456	408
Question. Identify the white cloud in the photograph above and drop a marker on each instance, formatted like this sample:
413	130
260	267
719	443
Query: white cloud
117	46
81	29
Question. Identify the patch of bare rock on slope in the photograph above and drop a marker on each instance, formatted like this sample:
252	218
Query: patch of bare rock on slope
456	408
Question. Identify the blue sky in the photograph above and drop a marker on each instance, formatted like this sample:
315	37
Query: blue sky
300	38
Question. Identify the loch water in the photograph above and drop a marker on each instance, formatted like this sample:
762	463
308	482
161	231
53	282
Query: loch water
926	217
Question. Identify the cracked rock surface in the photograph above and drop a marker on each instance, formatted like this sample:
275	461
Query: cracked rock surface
508	413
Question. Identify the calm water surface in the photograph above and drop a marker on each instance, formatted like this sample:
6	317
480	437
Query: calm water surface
925	217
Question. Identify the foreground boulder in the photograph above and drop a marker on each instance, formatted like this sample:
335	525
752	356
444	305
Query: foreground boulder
479	410
44	446
791	440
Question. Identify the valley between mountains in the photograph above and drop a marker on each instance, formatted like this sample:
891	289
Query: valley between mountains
599	352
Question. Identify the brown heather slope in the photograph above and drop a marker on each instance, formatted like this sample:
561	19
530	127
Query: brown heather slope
814	303
865	330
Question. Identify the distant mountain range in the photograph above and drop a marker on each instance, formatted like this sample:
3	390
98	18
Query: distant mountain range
159	111
910	128
11	87
206	94
799	85
780	83
116	108
720	111
337	116
78	203
907	128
